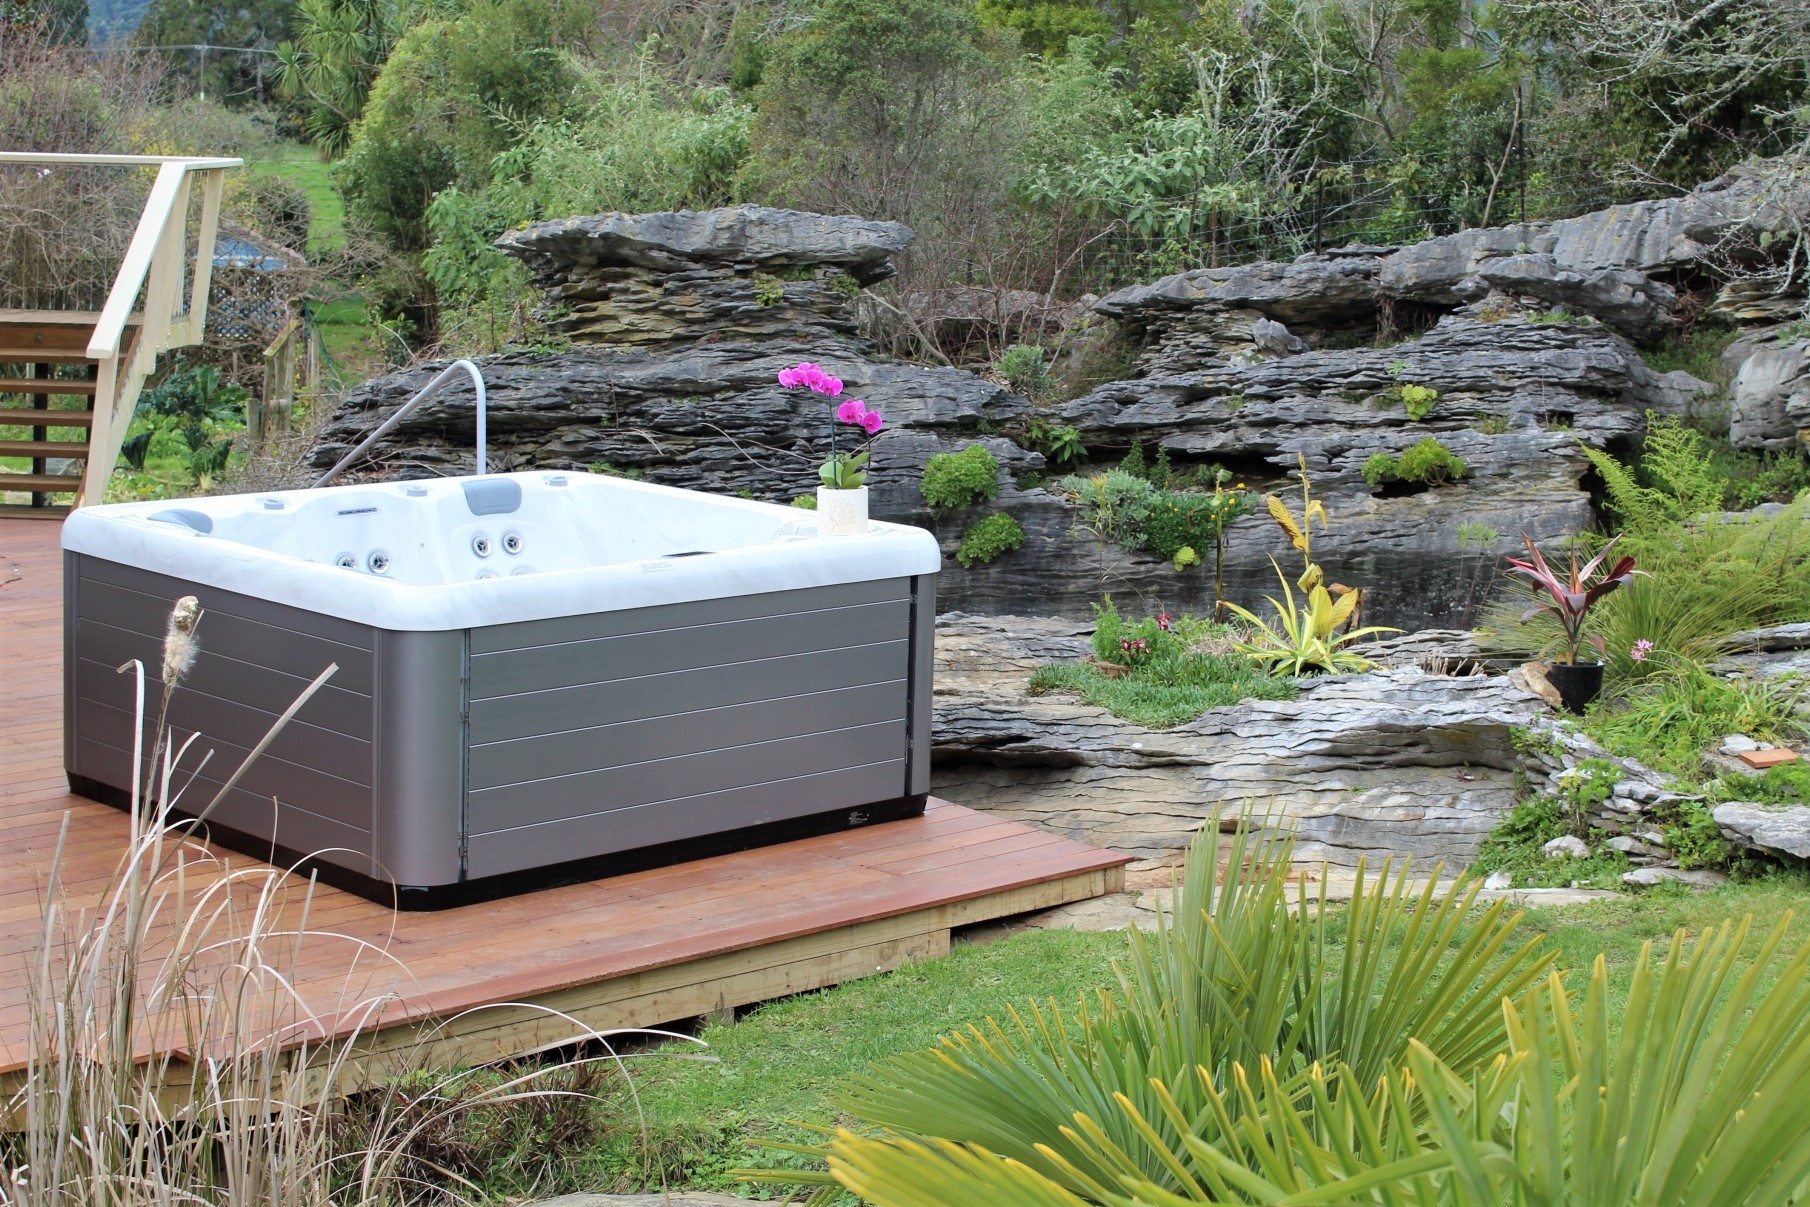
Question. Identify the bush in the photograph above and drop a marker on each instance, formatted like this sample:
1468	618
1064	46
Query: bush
431	120
953	481
1427	463
1672	720
1022	367
988	538
1179	520
1111	506
1266	1045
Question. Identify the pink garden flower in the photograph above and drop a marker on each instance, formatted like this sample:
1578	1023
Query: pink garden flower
855	411
812	377
1641	649
1164	621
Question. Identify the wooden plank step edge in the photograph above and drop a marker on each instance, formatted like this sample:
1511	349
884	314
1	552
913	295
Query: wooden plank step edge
31	417
45	385
14	511
42	483
13	354
44	448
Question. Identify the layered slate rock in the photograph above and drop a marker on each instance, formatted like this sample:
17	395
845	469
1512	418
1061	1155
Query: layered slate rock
1359	766
659	280
707	417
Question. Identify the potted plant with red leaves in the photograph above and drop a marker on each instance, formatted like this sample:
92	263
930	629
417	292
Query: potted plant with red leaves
1572	598
842	499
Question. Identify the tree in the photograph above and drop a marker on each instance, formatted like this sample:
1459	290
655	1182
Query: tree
329	66
455	92
225	44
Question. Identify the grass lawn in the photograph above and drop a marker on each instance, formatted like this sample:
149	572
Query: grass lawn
780	1064
300	165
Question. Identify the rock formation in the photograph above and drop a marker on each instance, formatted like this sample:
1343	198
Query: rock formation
1530	336
1397	762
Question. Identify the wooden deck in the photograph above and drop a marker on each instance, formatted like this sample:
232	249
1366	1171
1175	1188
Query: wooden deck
633	951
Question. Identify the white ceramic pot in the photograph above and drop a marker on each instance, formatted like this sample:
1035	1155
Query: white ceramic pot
841	512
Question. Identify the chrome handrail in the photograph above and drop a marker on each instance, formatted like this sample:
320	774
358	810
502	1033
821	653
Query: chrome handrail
427	391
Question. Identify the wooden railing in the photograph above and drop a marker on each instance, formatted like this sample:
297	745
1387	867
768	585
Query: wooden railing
156	265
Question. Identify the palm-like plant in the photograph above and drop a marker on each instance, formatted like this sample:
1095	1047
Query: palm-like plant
1248	1060
1246	974
1305	639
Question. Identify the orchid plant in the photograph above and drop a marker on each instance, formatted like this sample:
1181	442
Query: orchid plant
843	470
1573	596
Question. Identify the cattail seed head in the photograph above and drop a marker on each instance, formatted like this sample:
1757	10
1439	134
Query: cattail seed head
179	643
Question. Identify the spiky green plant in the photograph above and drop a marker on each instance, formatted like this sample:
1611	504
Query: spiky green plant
1464	1075
1246	972
1305	639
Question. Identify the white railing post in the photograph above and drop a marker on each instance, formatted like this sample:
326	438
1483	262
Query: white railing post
213	183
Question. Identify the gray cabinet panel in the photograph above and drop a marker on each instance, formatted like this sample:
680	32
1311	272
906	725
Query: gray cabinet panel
244	809
506	717
298	784
682	649
691	817
301	654
562	629
225	721
686	775
94	570
242	683
689	733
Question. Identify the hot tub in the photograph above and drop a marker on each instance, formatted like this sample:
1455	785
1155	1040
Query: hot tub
543	677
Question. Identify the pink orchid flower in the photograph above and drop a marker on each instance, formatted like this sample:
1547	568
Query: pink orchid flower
855	411
812	377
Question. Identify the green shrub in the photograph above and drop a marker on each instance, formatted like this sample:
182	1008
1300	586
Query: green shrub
1179	520
805	502
988	538
1786	784
1023	368
1058	444
769	290
1417	401
1699	353
1111	506
1429	463
953	481
1517	846
1693	837
1671	720
1161	636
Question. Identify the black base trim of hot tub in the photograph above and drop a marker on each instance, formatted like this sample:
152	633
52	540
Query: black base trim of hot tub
576	871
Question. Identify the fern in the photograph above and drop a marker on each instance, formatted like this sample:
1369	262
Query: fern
1677	460
1639	508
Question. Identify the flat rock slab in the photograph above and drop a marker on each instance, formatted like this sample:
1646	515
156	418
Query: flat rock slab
1391	763
1121	911
1776	831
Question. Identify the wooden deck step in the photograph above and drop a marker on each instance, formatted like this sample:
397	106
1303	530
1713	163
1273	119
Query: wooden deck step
28	417
42	483
24	354
18	511
45	385
44	448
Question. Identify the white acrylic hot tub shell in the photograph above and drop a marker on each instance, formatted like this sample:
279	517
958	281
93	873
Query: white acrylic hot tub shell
590	544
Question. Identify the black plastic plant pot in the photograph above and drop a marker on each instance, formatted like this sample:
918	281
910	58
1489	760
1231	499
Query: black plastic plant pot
1577	685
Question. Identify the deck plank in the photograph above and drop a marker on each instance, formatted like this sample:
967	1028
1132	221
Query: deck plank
630	951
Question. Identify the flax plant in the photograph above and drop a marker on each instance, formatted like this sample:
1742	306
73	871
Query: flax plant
173	1056
1426	1059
